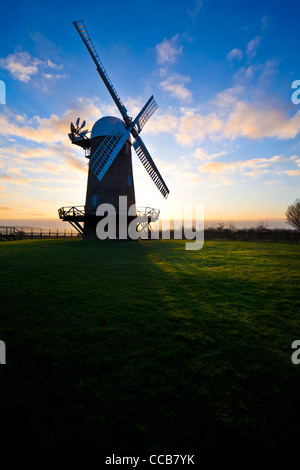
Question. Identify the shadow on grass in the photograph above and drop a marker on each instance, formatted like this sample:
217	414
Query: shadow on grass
139	346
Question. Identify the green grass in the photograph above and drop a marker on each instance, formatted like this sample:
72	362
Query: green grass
143	346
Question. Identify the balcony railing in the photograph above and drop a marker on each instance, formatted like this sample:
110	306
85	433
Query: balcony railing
80	212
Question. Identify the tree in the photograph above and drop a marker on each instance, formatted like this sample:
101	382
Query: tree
232	227
262	226
221	226
293	215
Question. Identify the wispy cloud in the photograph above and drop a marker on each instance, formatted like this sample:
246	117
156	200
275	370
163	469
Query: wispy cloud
251	49
256	122
48	130
195	9
52	76
41	153
162	123
22	66
194	127
293	172
16	179
168	50
202	155
234	118
217	167
251	167
227	98
175	86
265	22
235	54
250	52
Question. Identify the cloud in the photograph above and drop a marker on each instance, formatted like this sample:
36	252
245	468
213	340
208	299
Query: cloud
17	180
245	74
235	54
231	119
51	158
168	50
195	127
217	167
292	172
174	85
52	65
20	65
251	49
194	11
202	155
228	98
38	158
251	167
256	77
162	123
256	122
15	171
134	105
52	76
48	130
77	164
33	153
264	22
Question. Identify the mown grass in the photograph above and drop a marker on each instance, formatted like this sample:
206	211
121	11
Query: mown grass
143	346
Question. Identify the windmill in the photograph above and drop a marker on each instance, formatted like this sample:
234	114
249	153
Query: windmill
109	152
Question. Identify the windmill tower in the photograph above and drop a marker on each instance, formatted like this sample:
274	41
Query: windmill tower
109	152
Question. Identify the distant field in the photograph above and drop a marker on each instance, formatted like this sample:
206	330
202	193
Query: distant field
143	346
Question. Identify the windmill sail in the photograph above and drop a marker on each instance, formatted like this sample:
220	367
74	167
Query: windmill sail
150	166
145	114
108	150
80	26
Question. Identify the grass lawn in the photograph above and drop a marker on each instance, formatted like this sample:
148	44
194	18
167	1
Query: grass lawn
143	346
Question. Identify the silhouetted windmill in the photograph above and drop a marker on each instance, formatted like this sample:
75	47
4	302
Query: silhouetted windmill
109	150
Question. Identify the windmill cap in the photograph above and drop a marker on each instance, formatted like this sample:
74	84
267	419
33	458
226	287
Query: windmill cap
104	126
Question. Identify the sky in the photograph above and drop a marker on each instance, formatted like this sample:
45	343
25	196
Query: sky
225	134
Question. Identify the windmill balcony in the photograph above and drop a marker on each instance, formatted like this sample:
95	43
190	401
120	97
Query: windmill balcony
81	212
87	214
